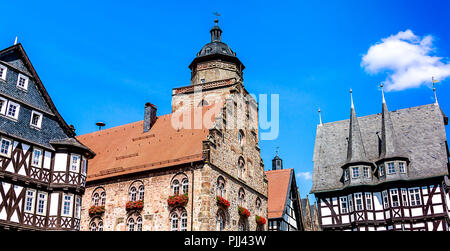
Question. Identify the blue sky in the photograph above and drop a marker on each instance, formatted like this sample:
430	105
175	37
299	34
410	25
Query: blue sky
103	60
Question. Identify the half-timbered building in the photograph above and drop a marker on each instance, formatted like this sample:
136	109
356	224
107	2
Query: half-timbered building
42	165
206	174
284	208
387	171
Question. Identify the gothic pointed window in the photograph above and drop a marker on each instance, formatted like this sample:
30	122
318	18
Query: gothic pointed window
139	224
93	226
220	187
220	220
176	187
133	194
241	168
241	198
136	191
185	186
141	192
174	222
241	137
130	224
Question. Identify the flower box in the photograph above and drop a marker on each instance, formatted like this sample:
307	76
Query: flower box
134	205
177	200
260	220
96	210
222	202
244	212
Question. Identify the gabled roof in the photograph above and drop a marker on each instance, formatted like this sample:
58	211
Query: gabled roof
420	131
279	182
127	149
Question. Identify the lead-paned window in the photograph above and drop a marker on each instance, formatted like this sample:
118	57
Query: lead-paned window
29	201
22	82
355	172
401	167
414	195
42	203
391	167
385	199
67	205
366	172
74	163
405	197
5	148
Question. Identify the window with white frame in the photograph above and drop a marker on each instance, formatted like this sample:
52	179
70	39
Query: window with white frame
141	192
5	147
36	159
130	224
36	119
368	201
185	185
401	167
29	201
78	207
183	226
100	226
405	197
139	224
67	205
355	172
358	202
3	71
42	203
366	172
385	199
13	110
346	175
176	187
22	82
74	162
344	205
395	200
391	167
381	170
133	193
414	195
174	222
83	165
350	203
3	105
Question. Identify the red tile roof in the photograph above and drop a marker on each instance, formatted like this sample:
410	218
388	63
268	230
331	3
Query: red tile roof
127	149
278	184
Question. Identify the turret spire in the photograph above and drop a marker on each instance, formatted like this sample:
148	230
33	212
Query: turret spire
382	94
355	149
351	97
434	89
216	32
320	118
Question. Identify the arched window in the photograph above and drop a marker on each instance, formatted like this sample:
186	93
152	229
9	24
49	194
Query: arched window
96	224
185	184
130	224
136	191
176	187
220	187
241	197
258	207
93	226
134	222
103	198
178	219
99	197
183	226
241	168
96	199
139	224
141	192
242	225
241	137
174	222
133	194
220	221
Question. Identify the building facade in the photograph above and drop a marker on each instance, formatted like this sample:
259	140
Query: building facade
197	168
42	165
310	216
385	172
284	209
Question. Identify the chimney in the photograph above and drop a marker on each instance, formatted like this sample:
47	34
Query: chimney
149	116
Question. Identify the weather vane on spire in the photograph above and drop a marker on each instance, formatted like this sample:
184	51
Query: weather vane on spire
276	151
434	88
217	17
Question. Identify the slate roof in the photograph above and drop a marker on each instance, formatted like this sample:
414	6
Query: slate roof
279	182
420	131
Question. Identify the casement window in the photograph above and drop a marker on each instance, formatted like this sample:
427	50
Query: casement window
391	167
36	160
185	186
366	172
401	167
381	170
395	200
67	205
139	224
36	119
414	195
344	205
3	71
358	202
385	199
174	222
133	193
95	199
5	147
29	201
350	203
93	227
77	207
368	201
3	105
130	224
183	226
405	197
74	162
13	110
176	187
355	172
100	226
22	82
141	192
42	204
103	198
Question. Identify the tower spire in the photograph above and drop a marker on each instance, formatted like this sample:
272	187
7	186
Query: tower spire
434	89
382	93
320	118
355	147
351	97
216	32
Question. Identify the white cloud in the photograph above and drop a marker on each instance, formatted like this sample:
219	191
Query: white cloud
406	57
304	175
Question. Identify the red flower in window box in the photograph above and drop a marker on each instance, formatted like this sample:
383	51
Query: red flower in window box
96	210
177	200
134	205
244	212
223	202
260	220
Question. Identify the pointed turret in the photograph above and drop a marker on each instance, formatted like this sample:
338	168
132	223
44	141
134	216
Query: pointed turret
355	150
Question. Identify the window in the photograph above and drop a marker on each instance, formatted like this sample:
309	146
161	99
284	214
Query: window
358	202
401	167
136	191
241	138
391	168
241	168
176	187
29	201
174	222
221	187
381	170
368	201
5	148
278	164
74	163
185	186
344	206
103	198
95	199
42	203
414	195
350	203
258	206
366	172
130	224
13	110
133	194
93	227
77	207
3	70
395	201
36	119
37	157
345	174
22	82
385	199
405	197
84	166
100	226
241	198
3	106
141	192
67	205
355	172
183	222
139	224
220	221
202	80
